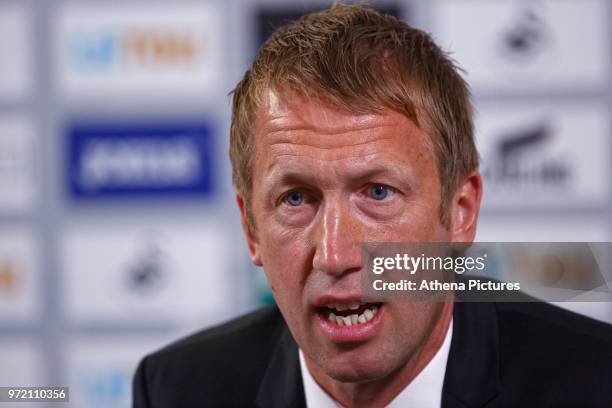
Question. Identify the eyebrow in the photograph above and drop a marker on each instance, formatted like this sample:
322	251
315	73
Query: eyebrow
280	176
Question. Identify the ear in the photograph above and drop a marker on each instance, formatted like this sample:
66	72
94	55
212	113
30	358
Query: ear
465	207
251	239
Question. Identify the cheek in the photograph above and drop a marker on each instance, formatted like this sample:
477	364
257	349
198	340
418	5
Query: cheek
287	265
423	219
286	262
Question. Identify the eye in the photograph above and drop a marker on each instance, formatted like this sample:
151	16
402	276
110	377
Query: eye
378	191
294	198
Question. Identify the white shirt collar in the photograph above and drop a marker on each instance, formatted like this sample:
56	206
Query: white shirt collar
424	391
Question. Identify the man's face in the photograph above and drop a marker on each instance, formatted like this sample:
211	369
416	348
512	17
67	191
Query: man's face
325	181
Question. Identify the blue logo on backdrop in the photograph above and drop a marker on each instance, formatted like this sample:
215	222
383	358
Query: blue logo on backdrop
131	161
99	51
105	387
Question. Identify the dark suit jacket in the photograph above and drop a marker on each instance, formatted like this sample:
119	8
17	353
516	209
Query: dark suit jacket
502	355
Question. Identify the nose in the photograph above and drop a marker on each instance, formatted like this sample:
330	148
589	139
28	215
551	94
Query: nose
338	239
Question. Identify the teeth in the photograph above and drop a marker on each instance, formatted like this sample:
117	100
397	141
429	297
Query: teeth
354	318
341	307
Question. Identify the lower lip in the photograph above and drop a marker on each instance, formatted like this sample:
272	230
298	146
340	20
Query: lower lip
354	333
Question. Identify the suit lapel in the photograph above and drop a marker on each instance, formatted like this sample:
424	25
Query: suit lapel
282	384
472	373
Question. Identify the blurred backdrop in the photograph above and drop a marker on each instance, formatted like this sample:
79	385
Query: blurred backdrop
118	228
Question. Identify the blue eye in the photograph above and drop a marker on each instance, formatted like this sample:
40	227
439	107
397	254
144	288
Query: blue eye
378	191
294	198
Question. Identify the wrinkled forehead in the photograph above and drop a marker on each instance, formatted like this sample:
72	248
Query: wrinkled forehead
293	111
297	126
278	107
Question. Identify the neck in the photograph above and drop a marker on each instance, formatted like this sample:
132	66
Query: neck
381	392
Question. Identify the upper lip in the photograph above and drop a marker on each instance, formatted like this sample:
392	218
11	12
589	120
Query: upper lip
330	299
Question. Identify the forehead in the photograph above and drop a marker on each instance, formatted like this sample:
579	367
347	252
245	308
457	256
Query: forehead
290	119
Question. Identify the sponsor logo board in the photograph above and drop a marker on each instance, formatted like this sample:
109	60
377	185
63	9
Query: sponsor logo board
542	155
140	160
151	274
19	163
16	67
100	370
526	45
138	48
20	285
22	364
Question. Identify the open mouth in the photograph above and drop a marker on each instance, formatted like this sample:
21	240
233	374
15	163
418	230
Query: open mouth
350	314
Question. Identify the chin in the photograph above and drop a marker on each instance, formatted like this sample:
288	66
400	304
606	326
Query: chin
353	369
